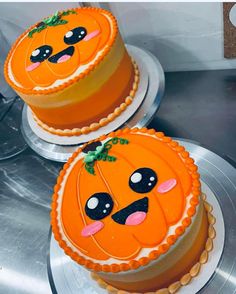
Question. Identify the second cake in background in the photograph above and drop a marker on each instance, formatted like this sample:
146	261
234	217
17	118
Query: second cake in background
73	70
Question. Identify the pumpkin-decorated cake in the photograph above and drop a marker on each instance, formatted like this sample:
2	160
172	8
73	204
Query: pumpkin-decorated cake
128	207
73	71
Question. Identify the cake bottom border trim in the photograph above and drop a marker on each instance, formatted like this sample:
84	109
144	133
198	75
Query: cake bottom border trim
103	121
185	279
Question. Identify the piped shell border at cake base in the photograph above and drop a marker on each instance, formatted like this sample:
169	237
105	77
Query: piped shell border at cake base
185	279
72	80
103	121
159	250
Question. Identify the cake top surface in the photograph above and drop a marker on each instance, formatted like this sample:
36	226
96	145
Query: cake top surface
124	199
60	49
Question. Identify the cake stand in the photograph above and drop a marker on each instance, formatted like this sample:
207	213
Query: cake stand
219	182
151	91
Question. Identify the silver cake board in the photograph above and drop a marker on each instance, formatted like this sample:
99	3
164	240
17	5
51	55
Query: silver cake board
142	116
219	177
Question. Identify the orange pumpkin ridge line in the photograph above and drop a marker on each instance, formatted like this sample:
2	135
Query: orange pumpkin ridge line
93	265
177	178
130	163
106	184
71	81
64	229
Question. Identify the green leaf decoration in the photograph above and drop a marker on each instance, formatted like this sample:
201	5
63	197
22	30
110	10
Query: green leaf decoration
101	153
54	20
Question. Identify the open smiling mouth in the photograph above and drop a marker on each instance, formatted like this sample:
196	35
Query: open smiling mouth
63	55
133	214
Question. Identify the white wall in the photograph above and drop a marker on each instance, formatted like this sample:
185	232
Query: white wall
184	36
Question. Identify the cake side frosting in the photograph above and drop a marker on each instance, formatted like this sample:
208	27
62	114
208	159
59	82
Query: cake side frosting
170	198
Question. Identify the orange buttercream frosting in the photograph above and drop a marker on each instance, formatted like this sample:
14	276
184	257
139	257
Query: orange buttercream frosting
34	61
130	192
73	70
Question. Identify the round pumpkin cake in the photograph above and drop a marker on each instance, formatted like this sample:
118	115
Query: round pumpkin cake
73	71
128	207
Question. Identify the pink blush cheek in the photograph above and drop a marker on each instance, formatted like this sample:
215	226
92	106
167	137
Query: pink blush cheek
92	229
91	35
166	186
33	66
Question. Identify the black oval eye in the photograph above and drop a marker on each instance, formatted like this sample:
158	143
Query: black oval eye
41	53
75	35
143	180
99	205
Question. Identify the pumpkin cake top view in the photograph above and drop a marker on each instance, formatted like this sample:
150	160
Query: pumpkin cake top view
128	207
73	71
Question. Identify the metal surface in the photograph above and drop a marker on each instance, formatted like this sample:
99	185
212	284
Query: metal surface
141	118
11	140
220	177
197	105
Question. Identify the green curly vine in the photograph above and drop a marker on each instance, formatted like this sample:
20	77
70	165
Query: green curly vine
54	20
101	153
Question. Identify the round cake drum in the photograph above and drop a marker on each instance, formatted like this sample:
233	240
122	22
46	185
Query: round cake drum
139	113
216	276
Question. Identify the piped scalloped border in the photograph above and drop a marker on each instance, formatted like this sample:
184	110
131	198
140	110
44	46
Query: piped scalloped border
103	121
185	279
163	248
73	80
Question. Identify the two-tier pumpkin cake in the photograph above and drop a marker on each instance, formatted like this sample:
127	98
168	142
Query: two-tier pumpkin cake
73	71
128	207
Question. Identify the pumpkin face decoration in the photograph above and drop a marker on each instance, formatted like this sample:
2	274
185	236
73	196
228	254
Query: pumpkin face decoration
57	47
122	195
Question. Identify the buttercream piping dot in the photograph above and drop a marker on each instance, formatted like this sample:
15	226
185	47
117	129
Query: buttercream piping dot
93	126
159	134
194	201
171	239
209	244
211	218
186	221
184	154
154	254
211	232
204	257
180	230
173	288
167	139
195	175
185	279
208	207
195	269
164	248
144	260
174	144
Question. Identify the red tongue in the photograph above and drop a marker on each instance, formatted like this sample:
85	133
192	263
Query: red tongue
135	218
63	58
